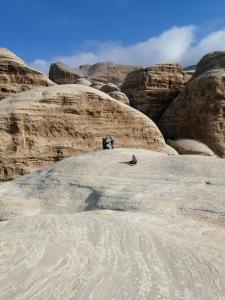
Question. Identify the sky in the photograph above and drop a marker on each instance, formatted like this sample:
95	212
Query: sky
137	32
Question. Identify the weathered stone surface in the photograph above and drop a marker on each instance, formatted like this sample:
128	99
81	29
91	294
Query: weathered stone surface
97	85
188	75
211	61
104	72
83	81
60	73
42	126
109	87
153	231
120	97
151	90
107	72
199	112
16	76
189	146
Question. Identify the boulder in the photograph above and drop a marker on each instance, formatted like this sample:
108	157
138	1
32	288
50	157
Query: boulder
16	76
44	125
198	112
151	90
211	61
109	87
189	146
60	73
94	227
97	85
83	81
120	97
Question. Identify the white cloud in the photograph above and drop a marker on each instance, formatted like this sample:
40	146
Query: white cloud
178	44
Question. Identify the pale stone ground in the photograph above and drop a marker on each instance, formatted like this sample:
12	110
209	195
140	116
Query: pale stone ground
93	227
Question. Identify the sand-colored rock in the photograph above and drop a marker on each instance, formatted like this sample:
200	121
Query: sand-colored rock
109	88
97	85
107	72
211	61
42	126
83	81
103	71
60	73
151	90
16	76
189	146
120	97
198	112
112	231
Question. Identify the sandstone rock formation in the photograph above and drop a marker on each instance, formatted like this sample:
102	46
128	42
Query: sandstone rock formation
42	126
16	76
120	97
112	232
198	112
104	72
189	146
211	61
83	81
109	87
60	73
97	85
151	90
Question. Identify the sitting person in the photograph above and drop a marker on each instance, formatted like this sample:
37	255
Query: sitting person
133	161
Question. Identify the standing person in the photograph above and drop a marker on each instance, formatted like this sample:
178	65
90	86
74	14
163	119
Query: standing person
105	144
112	141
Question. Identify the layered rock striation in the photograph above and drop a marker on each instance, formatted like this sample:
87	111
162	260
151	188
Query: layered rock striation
151	90
199	111
44	125
16	76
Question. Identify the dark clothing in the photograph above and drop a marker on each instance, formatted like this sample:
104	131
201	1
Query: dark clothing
133	161
104	144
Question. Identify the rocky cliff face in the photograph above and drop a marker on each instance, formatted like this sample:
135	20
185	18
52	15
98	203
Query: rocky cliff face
151	90
103	72
16	76
199	111
62	74
44	125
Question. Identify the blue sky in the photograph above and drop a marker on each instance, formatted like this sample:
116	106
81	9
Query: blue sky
124	31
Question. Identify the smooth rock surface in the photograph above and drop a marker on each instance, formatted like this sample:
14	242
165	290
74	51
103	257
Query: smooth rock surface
151	90
188	146
16	76
113	231
45	125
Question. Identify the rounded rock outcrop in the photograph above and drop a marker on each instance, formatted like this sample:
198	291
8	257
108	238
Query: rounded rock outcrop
120	97
189	146
44	125
109	88
16	76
